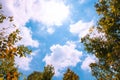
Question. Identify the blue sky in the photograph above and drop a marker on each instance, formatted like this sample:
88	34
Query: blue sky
53	29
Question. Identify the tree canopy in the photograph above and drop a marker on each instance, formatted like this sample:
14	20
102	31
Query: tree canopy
47	74
8	51
70	75
106	47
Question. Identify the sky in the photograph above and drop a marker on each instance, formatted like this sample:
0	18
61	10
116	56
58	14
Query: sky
52	29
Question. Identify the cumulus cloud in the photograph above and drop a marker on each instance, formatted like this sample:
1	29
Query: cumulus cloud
88	60
51	12
63	56
81	28
7	27
27	38
48	12
10	8
24	62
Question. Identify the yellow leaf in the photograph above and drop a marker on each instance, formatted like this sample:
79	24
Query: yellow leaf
1	78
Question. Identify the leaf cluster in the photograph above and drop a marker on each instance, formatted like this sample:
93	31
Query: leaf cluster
106	47
70	75
9	50
47	74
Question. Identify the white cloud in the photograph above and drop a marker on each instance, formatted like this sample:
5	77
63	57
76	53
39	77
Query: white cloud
88	60
24	62
27	38
47	12
50	12
50	30
81	28
7	27
34	53
10	8
63	56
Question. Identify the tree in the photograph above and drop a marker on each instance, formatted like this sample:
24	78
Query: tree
106	47
35	76
70	75
8	51
47	74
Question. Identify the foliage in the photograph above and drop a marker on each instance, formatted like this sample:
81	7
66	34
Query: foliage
35	76
8	51
47	74
70	75
106	47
